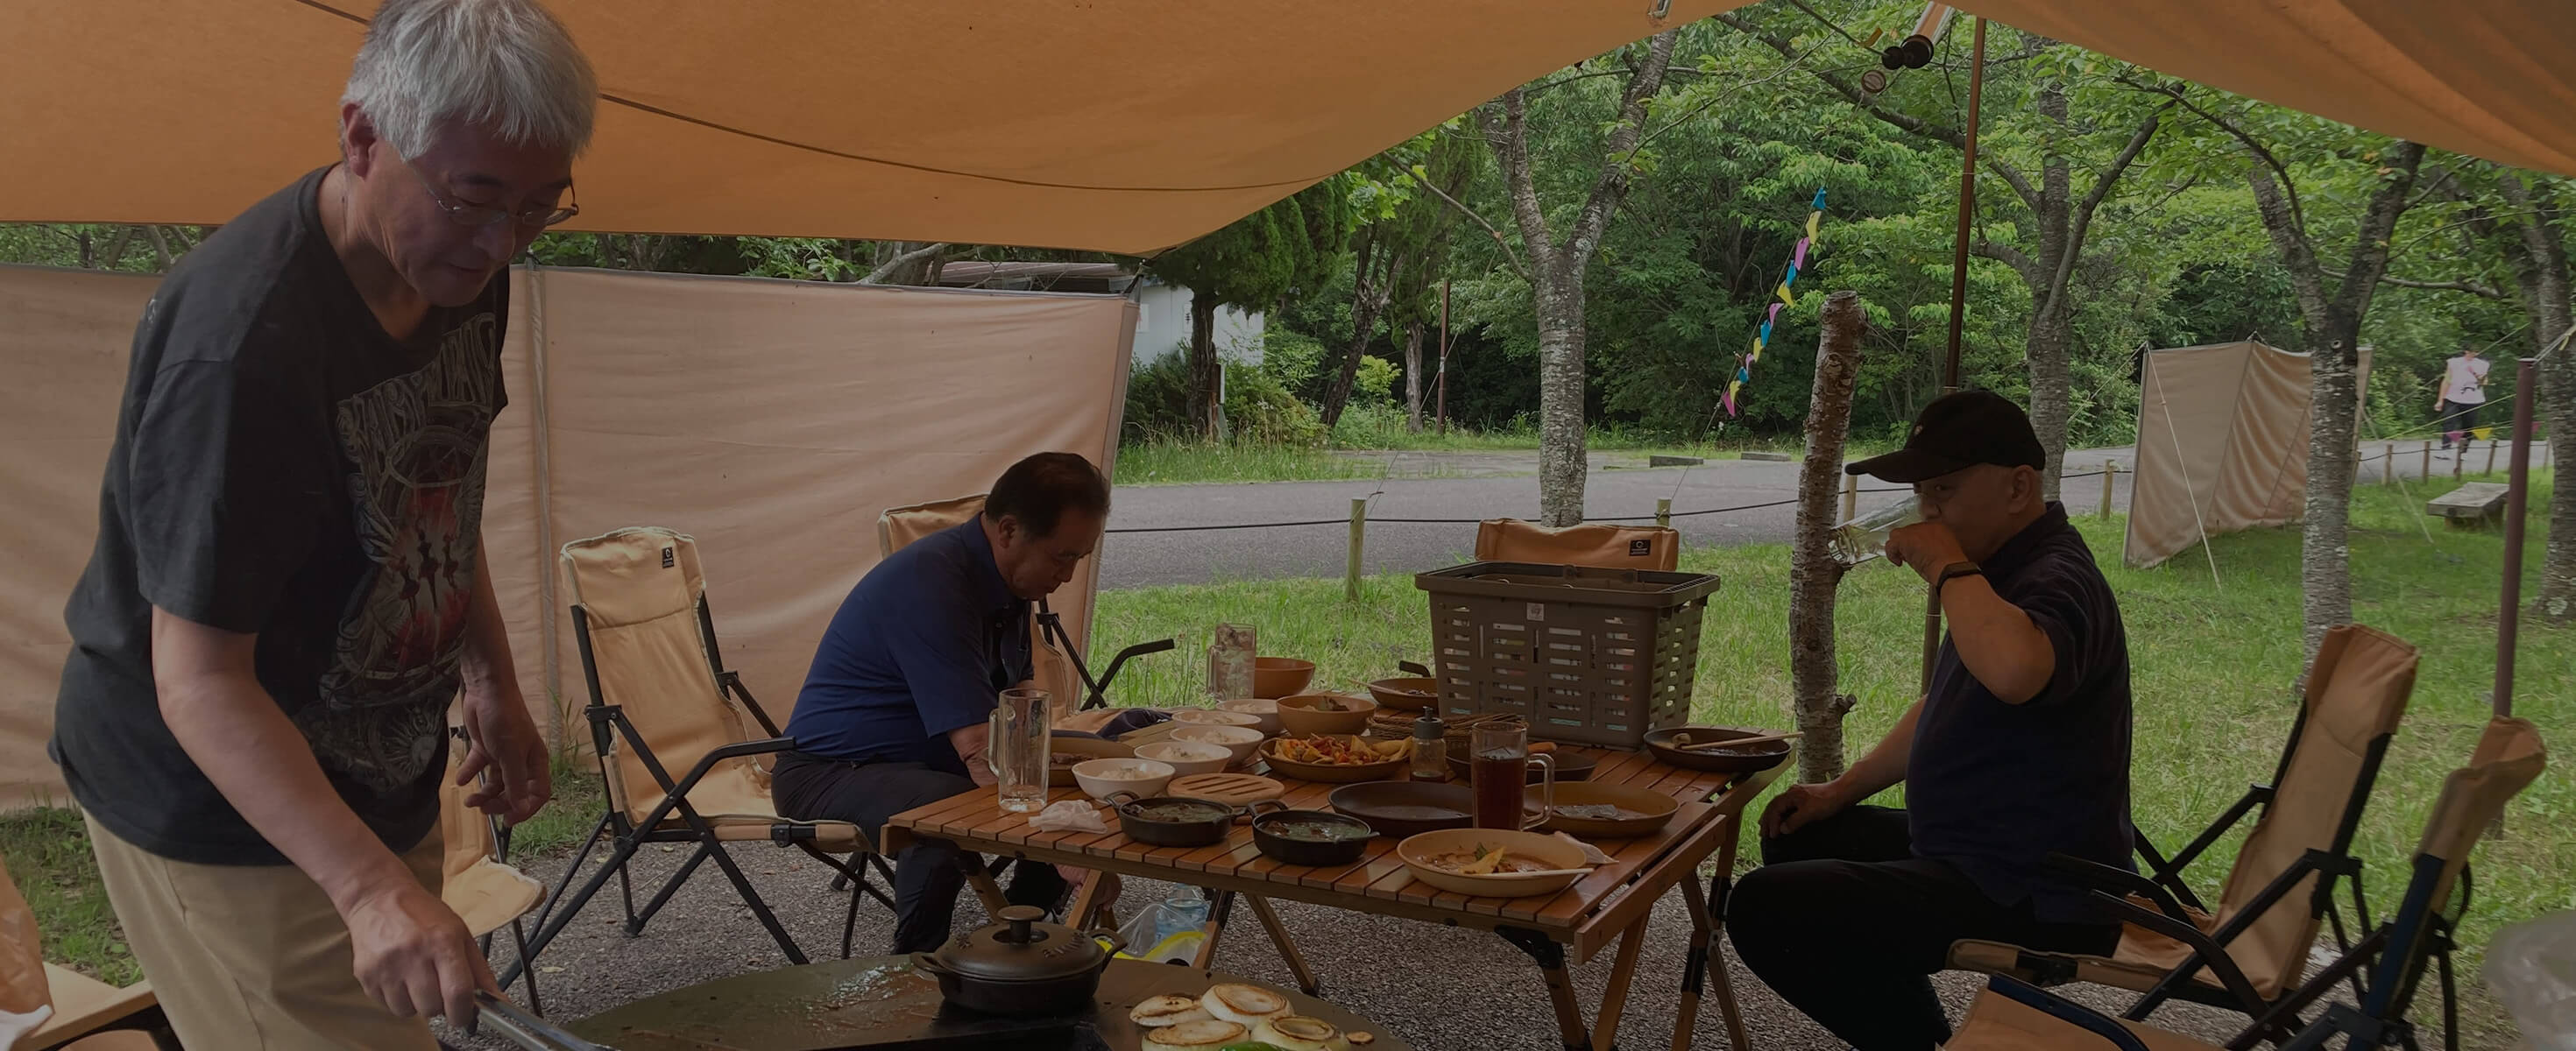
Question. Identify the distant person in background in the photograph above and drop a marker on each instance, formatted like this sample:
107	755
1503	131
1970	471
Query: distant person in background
2464	388
288	590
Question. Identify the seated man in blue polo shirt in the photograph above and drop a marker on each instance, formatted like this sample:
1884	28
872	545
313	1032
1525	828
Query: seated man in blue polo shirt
893	714
2020	748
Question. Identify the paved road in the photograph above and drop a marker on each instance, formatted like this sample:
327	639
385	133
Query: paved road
1489	485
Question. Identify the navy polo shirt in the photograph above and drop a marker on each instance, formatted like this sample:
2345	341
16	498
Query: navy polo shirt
1994	787
925	644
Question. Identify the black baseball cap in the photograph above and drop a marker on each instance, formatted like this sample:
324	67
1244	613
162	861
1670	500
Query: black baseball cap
1958	431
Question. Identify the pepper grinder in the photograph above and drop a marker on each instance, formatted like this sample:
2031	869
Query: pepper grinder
1430	748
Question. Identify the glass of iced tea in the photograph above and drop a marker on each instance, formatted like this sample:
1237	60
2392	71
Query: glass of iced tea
1498	769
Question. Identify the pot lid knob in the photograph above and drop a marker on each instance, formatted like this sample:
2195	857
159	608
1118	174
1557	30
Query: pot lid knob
1020	917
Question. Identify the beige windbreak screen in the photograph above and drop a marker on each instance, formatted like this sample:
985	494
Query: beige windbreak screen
2222	444
773	420
1122	125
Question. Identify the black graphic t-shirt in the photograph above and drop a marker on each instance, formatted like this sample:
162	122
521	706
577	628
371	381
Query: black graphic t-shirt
283	467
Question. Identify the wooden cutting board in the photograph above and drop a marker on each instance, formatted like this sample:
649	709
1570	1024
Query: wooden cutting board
1230	789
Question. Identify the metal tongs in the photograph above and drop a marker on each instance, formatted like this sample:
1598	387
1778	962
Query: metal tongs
526	1030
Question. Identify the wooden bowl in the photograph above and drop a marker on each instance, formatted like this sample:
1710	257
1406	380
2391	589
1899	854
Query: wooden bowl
1332	774
1417	850
1404	808
1652	810
1085	747
1298	716
1408	694
1665	745
1277	677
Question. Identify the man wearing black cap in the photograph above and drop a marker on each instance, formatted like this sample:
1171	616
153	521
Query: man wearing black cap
2020	748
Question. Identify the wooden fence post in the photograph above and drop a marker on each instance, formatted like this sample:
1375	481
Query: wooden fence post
2110	474
1664	512
1851	496
1359	528
2491	448
2388	466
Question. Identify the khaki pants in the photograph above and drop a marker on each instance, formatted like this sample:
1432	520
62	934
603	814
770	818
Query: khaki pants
251	956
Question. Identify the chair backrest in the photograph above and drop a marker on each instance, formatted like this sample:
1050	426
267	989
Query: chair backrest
2509	757
2356	695
639	591
1594	544
23	988
898	527
466	837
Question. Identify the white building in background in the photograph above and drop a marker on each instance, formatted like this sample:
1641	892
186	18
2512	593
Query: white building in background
1162	314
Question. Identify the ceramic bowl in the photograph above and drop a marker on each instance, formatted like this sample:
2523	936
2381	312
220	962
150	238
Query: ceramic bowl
1239	741
1215	717
1101	777
1417	850
1299	715
1187	757
1081	749
1261	708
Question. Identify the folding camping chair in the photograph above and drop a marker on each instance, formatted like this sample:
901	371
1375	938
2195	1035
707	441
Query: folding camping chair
2013	1015
1594	544
85	1014
660	699
1060	668
479	885
2250	954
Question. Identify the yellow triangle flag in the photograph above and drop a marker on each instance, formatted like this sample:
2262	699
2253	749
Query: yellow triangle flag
1784	294
1732	386
1811	226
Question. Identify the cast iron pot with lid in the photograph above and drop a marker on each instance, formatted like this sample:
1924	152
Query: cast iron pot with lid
1021	966
1179	821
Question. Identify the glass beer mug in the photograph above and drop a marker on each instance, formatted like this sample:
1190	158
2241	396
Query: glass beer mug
1865	537
1498	769
1016	748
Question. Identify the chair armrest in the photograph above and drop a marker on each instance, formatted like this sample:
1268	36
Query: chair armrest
673	792
2206	951
2116	883
2067	1011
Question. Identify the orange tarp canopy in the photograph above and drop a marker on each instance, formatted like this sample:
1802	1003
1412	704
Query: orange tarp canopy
1120	125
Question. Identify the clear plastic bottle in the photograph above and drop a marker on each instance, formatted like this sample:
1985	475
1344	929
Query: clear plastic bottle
1430	748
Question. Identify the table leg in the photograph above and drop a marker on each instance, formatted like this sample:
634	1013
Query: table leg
1078	914
1560	987
1269	918
1704	961
1614	996
1220	909
986	891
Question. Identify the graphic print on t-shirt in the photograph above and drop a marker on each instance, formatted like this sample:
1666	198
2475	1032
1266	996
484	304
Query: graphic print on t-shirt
417	443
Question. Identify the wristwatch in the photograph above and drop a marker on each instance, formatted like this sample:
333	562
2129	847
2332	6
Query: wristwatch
1955	570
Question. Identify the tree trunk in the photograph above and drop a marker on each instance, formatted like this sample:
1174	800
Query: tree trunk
1368	299
2052	389
1413	376
1813	572
1562	454
1207	374
2052	383
1556	266
2543	266
2334	329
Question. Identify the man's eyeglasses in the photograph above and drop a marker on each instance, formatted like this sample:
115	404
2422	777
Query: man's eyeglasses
481	216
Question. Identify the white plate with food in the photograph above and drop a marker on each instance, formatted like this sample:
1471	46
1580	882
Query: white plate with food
1493	862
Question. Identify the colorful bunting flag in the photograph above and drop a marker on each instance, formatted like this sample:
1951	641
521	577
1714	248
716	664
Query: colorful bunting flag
1782	297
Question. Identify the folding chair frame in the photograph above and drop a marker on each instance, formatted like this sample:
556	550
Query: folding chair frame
518	924
1097	690
2165	886
607	723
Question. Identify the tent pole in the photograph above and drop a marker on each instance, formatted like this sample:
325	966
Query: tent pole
1440	386
2517	495
1958	303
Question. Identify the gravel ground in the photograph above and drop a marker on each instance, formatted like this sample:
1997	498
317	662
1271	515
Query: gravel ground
1439	988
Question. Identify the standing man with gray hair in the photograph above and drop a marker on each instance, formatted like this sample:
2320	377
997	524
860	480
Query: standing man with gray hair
288	589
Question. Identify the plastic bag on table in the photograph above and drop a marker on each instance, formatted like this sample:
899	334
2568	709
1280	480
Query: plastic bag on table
1168	930
1068	815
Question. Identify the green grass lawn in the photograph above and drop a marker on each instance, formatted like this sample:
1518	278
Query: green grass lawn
2212	668
2212	665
